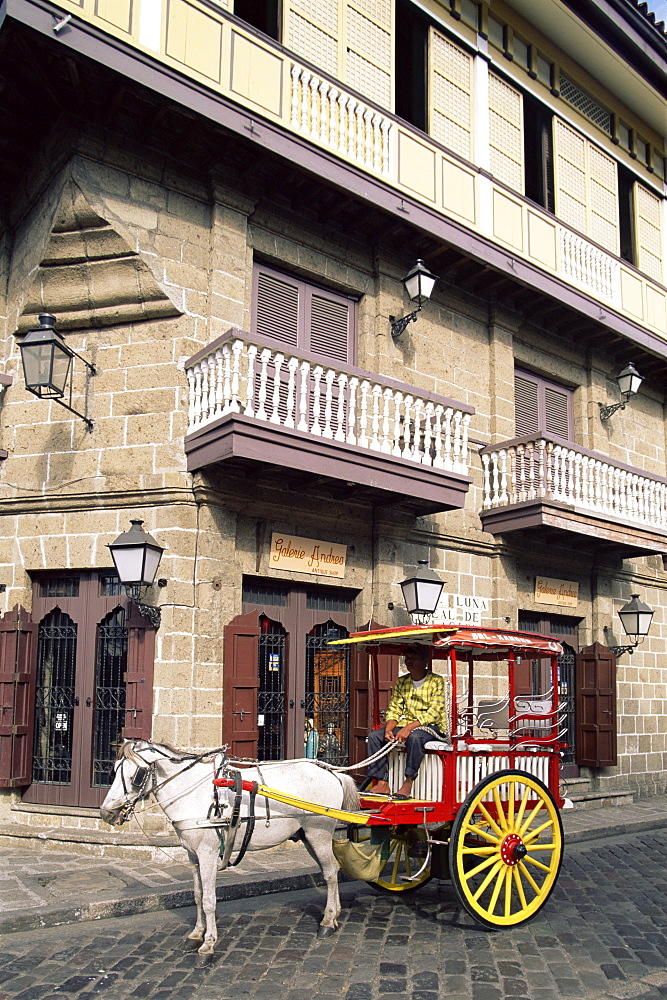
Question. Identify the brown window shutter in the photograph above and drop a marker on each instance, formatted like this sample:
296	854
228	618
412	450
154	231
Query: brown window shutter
557	412
241	684
18	638
329	327
526	404
277	307
139	679
595	673
541	407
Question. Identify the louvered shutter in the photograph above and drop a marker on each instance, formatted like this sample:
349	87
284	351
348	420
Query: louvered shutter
526	406
369	49
139	677
241	685
602	199
303	316
277	301
557	411
648	232
329	327
450	94
312	30
506	133
541	407
570	176
18	658
586	187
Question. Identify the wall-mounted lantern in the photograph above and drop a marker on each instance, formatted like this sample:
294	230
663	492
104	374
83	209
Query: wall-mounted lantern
421	592
419	284
136	556
47	364
636	618
629	380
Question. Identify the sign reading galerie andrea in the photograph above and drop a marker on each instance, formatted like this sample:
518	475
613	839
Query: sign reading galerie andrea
563	593
307	555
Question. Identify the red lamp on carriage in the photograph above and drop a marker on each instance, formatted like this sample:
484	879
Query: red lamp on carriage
136	556
421	592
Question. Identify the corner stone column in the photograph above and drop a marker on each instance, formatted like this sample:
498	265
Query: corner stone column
230	273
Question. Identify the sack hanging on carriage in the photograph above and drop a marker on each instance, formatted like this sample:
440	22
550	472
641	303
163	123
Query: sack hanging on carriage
359	861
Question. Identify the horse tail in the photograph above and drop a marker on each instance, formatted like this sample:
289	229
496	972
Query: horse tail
350	792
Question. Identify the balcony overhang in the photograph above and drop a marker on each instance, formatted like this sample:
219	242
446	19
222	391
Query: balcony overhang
550	521
256	450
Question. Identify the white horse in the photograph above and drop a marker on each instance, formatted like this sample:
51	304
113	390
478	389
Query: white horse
182	784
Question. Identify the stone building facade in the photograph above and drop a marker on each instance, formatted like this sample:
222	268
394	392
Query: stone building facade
193	233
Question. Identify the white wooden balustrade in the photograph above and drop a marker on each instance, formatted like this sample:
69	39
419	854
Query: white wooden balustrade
589	266
545	469
269	385
333	118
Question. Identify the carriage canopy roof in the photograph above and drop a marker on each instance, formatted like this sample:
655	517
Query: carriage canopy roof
484	643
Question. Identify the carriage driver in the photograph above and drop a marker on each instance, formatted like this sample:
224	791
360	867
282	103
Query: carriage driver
415	715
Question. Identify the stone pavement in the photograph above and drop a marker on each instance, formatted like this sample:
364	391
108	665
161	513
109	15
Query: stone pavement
45	885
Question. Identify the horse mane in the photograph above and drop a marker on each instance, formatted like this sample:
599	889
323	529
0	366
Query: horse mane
127	751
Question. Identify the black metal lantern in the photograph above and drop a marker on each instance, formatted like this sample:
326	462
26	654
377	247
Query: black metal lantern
136	556
421	591
419	284
636	618
629	380
46	360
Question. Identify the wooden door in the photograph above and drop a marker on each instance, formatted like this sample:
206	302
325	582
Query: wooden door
17	695
596	706
91	653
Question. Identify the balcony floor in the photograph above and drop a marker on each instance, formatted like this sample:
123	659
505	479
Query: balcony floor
246	446
548	520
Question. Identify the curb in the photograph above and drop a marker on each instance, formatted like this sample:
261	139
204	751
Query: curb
140	902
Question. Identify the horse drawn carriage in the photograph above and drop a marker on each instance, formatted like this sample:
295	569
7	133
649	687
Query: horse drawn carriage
484	810
485	805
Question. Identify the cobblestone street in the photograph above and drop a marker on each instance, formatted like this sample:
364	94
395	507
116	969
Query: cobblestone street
602	935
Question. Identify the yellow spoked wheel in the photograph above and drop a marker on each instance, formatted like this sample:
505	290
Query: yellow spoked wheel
506	849
408	864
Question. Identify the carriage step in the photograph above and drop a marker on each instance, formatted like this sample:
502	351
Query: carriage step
598	800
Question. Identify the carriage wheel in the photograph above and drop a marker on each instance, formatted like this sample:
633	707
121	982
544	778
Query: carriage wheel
408	864
506	849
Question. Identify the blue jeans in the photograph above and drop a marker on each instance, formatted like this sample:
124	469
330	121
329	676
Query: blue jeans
414	745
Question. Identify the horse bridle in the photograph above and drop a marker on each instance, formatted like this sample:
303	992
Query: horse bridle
144	776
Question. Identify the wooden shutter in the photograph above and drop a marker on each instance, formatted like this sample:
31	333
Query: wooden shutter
595	673
277	307
586	187
369	49
648	232
361	694
450	94
139	677
557	411
506	132
303	316
312	30
541	407
18	654
570	176
241	684
329	323
603	199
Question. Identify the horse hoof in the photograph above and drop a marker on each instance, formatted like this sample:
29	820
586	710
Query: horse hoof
192	944
324	932
203	960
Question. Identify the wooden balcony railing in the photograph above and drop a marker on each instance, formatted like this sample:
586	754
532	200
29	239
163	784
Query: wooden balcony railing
543	468
239	375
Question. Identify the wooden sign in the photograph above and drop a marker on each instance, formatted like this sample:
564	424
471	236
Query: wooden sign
307	555
560	593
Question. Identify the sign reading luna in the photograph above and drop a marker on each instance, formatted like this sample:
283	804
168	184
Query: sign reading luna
307	555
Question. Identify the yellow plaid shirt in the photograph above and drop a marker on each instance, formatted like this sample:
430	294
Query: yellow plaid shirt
425	704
